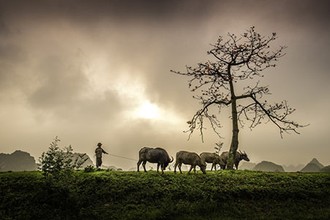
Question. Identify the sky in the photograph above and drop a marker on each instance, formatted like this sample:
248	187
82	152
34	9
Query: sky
99	71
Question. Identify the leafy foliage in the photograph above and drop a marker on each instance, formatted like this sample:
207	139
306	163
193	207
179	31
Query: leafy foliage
232	75
56	160
89	169
132	195
231	79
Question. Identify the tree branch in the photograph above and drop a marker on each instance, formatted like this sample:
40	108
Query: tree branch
237	58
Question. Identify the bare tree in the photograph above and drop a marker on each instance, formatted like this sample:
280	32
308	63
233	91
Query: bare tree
237	64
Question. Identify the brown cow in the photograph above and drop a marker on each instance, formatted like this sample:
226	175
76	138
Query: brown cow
154	155
239	156
211	158
190	158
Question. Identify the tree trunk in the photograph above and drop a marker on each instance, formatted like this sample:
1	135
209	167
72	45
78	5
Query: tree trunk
234	140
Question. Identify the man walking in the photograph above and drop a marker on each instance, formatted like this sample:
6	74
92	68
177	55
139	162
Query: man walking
98	153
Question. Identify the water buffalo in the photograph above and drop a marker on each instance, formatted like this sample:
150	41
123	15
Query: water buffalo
239	156
211	158
154	155
190	158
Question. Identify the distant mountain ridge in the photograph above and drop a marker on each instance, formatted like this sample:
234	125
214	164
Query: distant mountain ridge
23	161
268	167
313	166
326	169
88	161
17	161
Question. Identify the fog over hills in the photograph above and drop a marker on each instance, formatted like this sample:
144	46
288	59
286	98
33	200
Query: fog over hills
88	161
313	166
268	167
23	161
17	161
326	169
246	165
293	168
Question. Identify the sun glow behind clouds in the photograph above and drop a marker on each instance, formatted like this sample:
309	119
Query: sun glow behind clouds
136	102
140	106
147	110
155	113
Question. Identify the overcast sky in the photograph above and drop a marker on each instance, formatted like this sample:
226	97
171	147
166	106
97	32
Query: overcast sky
99	71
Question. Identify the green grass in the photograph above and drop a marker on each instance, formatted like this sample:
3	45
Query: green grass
132	195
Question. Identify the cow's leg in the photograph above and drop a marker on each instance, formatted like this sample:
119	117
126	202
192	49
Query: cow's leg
175	165
236	165
138	165
163	168
214	165
194	168
191	167
144	166
223	166
180	164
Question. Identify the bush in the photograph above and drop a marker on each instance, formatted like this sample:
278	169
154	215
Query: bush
89	169
146	196
57	161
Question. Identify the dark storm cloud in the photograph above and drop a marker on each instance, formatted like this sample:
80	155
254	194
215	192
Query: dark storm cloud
60	83
12	58
87	11
306	12
61	91
3	27
10	55
309	14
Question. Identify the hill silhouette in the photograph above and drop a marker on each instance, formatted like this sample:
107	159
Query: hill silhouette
313	166
23	161
326	169
17	161
82	156
268	167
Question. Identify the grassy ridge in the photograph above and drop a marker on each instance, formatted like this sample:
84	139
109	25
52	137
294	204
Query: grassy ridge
132	195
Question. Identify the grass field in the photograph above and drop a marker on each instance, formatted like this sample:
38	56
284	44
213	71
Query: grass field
132	195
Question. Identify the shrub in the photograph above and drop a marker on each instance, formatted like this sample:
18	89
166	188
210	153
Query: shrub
59	160
89	169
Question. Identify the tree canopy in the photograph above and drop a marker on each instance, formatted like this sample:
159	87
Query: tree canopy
238	62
